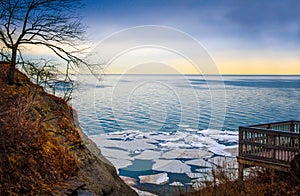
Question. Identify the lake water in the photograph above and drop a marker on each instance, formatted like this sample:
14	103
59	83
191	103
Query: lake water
178	126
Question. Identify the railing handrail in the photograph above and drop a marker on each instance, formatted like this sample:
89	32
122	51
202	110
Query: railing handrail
268	131
277	123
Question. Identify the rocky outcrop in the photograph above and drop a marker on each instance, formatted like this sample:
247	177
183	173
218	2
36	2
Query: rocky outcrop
42	148
95	168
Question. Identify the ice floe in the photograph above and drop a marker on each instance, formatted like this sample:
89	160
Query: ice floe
198	162
129	181
133	145
174	152
183	126
175	145
194	175
225	162
219	150
161	178
186	154
112	153
172	166
175	183
119	163
148	155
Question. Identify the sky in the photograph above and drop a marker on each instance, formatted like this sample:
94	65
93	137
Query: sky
240	36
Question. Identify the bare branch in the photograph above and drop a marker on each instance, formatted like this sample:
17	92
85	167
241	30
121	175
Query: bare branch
49	23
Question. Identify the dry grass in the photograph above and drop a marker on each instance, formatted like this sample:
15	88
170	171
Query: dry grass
258	181
32	160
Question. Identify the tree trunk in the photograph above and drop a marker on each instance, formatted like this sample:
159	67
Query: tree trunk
13	65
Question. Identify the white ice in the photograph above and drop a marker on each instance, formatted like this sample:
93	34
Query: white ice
119	163
175	183
186	154
228	162
121	154
194	175
172	166
148	155
198	162
175	145
161	178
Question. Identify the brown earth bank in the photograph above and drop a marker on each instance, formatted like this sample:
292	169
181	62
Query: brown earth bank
42	148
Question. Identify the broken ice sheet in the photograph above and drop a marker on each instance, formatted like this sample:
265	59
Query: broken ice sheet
114	153
186	154
172	166
161	178
176	184
148	155
198	162
225	162
119	163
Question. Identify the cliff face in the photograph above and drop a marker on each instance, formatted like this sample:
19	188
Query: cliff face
42	148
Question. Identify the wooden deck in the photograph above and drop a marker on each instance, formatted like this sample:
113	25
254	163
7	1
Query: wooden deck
272	145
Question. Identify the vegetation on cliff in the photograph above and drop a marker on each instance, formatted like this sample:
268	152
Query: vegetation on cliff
43	151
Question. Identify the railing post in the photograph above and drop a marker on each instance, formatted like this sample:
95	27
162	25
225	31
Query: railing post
240	139
273	144
241	173
292	127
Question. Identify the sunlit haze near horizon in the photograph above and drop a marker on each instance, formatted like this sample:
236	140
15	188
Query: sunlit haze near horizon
241	37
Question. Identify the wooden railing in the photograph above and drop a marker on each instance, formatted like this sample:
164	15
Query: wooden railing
271	143
289	126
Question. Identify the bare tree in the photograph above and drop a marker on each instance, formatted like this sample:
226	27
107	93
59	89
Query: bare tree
48	23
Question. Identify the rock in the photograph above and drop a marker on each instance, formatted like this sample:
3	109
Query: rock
42	143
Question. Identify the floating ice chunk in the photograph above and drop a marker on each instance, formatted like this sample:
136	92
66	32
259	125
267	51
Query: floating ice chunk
219	150
149	155
100	140
115	137
191	130
190	138
117	133
136	152
183	126
198	162
186	154
209	132
129	181
175	145
119	163
205	171
204	140
169	136
231	132
225	162
161	178
114	153
140	144
176	184
140	136
194	175
172	166
197	144
233	150
197	185
231	138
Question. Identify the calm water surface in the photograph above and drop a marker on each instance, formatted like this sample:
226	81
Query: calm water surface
179	125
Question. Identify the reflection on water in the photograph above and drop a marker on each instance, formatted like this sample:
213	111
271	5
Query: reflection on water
178	125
